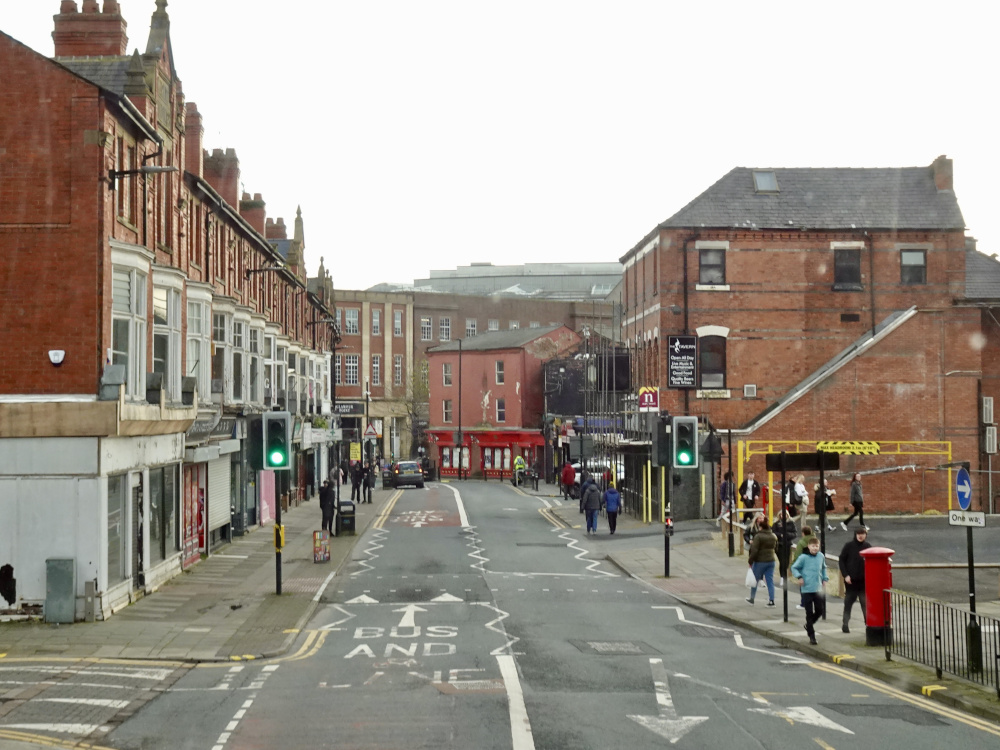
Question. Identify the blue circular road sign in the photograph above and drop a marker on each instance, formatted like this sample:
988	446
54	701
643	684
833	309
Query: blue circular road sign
963	488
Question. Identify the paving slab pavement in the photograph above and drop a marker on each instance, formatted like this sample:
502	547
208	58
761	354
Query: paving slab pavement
223	608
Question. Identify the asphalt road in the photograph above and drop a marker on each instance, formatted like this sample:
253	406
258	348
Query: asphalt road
466	619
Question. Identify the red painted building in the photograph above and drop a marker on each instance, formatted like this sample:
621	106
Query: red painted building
487	391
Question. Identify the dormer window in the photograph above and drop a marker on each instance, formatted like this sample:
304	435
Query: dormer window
765	182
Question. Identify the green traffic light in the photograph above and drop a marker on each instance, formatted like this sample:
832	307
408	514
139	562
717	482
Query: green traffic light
277	458
684	458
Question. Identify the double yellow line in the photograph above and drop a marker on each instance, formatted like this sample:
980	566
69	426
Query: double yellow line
549	515
379	522
923	703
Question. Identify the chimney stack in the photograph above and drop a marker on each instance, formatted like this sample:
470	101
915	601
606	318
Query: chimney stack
222	172
90	33
943	173
275	230
252	209
194	133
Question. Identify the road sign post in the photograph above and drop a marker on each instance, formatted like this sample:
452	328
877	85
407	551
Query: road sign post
969	519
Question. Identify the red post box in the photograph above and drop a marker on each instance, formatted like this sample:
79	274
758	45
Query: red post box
878	578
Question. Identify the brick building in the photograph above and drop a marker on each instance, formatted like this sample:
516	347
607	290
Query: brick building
827	305
146	313
488	388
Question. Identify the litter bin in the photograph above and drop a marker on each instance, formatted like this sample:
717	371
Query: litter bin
346	518
386	479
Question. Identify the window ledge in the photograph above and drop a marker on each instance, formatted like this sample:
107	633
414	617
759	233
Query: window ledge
848	287
711	287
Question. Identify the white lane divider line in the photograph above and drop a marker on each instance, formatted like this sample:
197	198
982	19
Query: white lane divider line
480	565
242	711
520	726
491	625
463	519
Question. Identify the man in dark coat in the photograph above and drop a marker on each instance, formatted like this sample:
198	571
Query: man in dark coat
326	500
357	475
852	569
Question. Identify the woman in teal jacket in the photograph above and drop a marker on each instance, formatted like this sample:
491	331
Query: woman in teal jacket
810	570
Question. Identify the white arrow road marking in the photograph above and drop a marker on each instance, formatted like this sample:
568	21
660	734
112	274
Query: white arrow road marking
803	715
417	524
409	614
363	599
668	724
450	598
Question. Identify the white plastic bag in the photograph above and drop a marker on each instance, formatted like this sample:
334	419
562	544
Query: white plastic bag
750	581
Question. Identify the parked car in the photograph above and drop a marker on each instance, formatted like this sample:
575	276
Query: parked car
406	473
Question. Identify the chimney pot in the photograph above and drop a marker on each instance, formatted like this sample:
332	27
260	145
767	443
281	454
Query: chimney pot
91	6
68	6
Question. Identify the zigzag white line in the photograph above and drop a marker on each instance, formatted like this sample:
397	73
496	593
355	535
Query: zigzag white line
474	543
737	638
572	544
511	639
373	544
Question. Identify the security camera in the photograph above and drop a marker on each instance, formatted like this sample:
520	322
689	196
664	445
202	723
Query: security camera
56	356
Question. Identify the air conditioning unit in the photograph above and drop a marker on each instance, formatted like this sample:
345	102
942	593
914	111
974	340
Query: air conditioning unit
750	391
987	410
990	440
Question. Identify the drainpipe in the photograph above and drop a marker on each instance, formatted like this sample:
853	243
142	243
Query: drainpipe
871	276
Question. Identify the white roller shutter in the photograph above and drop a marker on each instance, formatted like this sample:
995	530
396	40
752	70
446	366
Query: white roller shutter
218	492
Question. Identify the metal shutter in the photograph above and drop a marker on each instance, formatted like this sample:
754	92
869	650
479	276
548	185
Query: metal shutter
218	492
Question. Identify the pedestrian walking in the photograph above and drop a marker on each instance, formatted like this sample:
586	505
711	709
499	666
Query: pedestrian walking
584	478
750	491
326	500
800	547
612	504
785	530
852	570
727	499
762	559
857	503
753	525
357	475
810	570
824	503
800	498
590	498
567	480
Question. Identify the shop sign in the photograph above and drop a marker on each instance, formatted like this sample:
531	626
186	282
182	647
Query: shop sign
226	428
349	408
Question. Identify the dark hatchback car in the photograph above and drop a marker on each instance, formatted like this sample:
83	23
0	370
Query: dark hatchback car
407	473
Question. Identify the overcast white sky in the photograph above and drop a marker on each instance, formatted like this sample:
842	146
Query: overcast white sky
431	134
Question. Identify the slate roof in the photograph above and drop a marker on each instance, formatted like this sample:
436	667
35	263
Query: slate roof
982	276
825	198
110	73
497	340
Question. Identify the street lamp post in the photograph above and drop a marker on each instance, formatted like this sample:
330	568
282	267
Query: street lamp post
461	451
368	450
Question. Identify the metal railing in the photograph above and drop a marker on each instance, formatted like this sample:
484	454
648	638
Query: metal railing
939	635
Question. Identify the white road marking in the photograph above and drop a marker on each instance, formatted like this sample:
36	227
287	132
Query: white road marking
803	715
409	615
447	598
319	594
105	702
60	728
463	519
520	726
363	599
668	724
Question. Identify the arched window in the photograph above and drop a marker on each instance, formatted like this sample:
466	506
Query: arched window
712	364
